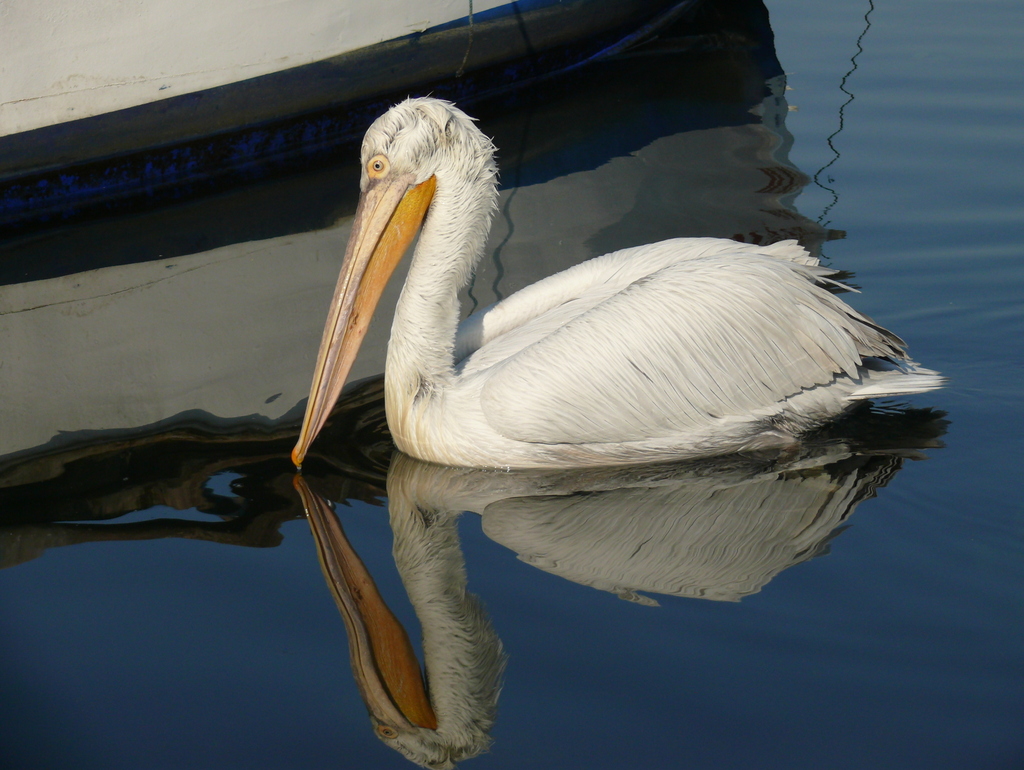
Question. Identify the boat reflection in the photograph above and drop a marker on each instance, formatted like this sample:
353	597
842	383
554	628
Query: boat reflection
717	529
236	488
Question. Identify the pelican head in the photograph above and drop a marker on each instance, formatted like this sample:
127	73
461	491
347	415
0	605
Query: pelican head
420	154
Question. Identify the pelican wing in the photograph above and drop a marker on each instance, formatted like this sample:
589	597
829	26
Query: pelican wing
582	286
689	343
711	537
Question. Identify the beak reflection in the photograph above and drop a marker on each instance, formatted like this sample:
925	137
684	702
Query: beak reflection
383	661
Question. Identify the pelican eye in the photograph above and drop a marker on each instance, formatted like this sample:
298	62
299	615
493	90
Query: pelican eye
378	166
387	731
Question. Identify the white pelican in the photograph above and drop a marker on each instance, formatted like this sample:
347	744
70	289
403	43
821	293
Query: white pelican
687	347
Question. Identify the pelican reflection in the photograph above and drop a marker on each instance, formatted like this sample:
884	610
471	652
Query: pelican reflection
717	529
443	717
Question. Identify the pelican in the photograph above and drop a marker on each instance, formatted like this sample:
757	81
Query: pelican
683	348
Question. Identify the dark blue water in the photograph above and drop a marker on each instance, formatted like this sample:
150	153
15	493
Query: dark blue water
163	605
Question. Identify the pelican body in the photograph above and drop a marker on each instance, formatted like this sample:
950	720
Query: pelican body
683	348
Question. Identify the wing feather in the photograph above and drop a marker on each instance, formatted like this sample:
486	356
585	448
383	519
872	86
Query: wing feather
703	338
584	285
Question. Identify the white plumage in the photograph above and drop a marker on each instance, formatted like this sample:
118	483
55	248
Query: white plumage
681	348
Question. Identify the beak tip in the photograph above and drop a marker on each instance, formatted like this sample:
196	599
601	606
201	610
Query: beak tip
297	457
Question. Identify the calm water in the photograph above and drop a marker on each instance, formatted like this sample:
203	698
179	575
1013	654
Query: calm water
163	604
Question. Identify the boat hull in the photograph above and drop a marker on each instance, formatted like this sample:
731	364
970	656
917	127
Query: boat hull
143	143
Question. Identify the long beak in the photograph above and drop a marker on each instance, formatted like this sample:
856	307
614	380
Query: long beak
388	216
383	662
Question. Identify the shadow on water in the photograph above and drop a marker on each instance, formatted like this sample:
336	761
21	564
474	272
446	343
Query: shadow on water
716	529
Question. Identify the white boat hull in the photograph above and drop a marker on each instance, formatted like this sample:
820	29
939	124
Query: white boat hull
72	60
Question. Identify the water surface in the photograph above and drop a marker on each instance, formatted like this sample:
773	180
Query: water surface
859	606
